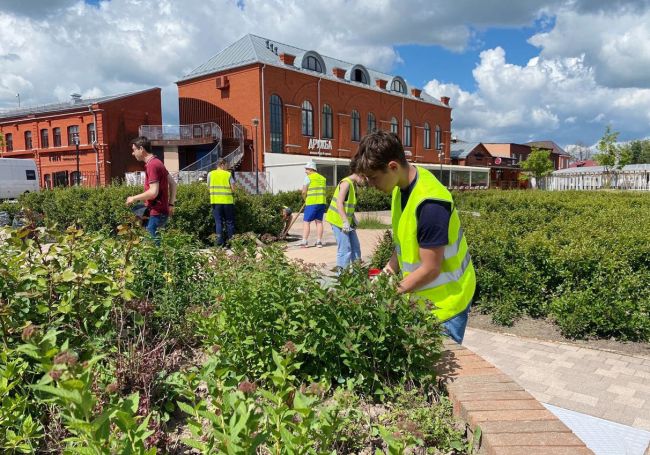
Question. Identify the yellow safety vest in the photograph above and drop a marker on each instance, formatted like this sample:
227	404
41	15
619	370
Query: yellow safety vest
219	185
453	289
333	217
316	189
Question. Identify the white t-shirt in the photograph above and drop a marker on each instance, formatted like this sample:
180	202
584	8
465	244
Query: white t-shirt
306	182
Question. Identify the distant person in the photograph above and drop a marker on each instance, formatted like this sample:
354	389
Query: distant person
341	216
159	194
222	187
431	252
313	191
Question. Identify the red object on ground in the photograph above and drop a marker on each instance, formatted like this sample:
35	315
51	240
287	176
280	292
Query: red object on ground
373	272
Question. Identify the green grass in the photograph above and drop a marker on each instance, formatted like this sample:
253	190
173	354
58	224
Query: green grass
372	223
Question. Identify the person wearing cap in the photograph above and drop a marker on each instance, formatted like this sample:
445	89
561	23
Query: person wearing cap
222	187
313	191
341	216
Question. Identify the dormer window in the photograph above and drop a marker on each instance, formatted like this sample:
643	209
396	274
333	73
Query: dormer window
359	76
312	63
398	86
358	73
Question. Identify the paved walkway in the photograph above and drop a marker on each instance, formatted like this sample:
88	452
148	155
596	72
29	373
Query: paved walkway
603	384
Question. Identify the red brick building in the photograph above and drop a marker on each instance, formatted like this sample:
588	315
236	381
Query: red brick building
103	128
297	105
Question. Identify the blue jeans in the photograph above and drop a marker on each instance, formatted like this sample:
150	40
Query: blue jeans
156	222
224	214
455	327
348	248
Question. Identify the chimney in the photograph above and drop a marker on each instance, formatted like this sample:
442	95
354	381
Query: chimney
381	83
445	100
339	72
75	98
287	59
416	92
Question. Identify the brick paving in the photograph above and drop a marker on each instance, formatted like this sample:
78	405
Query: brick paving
603	384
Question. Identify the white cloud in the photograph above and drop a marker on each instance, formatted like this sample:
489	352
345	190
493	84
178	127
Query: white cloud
515	103
592	62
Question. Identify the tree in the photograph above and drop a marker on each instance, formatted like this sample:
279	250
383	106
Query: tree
639	151
538	164
579	151
612	156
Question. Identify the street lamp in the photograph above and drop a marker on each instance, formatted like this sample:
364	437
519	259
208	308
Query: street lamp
256	122
441	155
76	143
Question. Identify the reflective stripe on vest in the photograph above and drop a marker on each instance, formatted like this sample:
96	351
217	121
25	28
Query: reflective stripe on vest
219	186
316	189
452	290
333	217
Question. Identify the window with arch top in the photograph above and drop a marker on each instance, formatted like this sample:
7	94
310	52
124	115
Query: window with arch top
398	86
356	126
313	64
438	138
277	125
307	119
359	75
407	133
327	120
372	123
427	136
394	126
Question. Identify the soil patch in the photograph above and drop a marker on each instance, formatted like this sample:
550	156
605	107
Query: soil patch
543	329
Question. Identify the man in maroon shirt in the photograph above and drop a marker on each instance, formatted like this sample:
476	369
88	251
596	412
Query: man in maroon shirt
159	188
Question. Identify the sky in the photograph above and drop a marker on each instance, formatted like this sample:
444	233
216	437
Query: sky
515	71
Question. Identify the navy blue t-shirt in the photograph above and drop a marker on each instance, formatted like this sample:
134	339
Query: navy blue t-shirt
433	220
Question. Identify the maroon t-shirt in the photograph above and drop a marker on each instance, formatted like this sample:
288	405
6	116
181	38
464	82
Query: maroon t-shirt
155	171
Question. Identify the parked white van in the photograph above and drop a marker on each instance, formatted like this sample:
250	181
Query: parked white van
17	176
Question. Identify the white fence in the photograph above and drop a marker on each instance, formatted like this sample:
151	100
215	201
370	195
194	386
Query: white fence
630	177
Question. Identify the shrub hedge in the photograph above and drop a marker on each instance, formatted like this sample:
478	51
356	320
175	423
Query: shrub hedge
103	209
581	258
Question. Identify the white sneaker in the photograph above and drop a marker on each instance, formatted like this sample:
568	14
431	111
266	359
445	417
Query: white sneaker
303	244
319	244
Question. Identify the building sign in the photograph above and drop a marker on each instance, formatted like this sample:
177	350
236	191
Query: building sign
497	160
319	144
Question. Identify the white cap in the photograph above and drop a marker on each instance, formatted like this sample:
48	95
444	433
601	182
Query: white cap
310	165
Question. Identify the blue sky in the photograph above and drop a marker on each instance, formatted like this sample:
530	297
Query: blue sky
557	70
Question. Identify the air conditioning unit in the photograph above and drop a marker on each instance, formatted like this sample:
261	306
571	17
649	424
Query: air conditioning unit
222	82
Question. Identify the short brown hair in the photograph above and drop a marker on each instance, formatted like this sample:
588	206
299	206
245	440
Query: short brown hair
222	163
142	141
376	150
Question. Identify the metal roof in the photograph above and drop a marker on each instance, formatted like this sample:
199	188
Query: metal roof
549	145
460	150
256	49
65	106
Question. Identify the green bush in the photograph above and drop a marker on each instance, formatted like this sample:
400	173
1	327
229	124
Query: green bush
580	258
357	329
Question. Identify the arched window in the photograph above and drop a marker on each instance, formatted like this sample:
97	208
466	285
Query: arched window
326	127
9	142
91	133
359	75
45	139
307	119
394	126
427	136
312	63
438	138
277	125
407	133
398	86
28	140
372	123
356	126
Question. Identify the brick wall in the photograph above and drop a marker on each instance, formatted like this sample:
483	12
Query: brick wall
512	422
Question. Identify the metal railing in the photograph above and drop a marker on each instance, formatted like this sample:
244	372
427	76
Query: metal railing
209	130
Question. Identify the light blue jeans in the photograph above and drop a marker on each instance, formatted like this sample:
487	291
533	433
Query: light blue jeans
348	248
455	327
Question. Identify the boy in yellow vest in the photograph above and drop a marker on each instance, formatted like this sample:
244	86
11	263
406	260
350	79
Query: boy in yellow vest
431	253
341	216
313	191
222	186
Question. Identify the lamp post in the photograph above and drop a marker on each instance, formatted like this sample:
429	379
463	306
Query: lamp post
441	155
76	143
256	122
